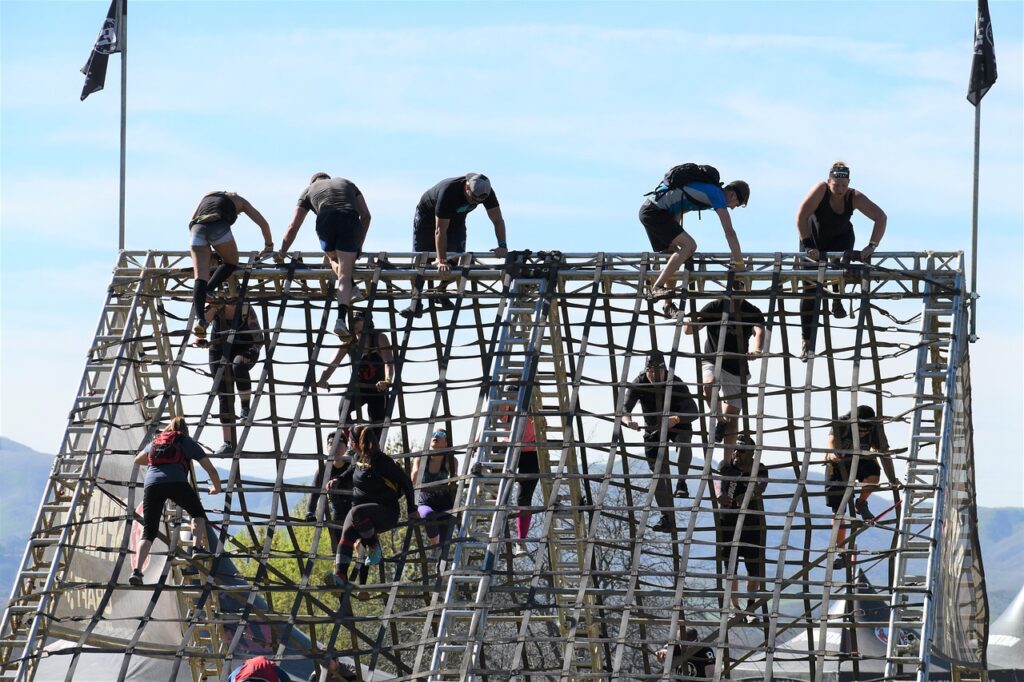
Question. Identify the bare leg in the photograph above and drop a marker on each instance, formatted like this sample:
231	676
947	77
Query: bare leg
869	486
734	598
344	266
228	251
199	533
143	553
682	247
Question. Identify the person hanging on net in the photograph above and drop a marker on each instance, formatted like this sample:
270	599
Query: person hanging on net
259	669
439	224
210	228
528	470
824	224
686	188
337	669
649	389
689	658
374	369
435	495
336	484
342	221
167	458
234	332
378	484
735	474
846	463
742	322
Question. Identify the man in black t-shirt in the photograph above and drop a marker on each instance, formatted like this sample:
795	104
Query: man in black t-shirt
342	220
650	389
744	322
691	661
440	221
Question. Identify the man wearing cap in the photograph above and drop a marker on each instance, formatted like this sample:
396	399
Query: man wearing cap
440	221
650	389
741	321
871	457
336	670
824	225
342	220
662	217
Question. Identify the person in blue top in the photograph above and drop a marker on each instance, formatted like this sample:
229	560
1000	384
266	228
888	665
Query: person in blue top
168	457
662	217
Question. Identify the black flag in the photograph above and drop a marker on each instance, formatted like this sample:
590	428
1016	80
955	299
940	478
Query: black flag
95	69
983	68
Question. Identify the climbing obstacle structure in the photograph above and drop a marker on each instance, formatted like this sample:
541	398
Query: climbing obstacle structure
595	592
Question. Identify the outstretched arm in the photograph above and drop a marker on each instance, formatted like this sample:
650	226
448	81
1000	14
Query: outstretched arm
211	471
499	230
292	230
441	243
338	357
803	218
730	236
248	209
872	211
364	216
384	346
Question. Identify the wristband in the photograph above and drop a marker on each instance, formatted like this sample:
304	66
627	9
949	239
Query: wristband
737	261
502	244
873	245
807	243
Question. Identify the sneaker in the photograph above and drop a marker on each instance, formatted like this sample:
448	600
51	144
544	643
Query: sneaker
374	555
519	549
665	525
659	293
135	580
838	311
670	310
201	553
682	491
861	506
415	310
224	450
244	414
444	303
839	563
340	579
805	352
720	430
341	329
199	329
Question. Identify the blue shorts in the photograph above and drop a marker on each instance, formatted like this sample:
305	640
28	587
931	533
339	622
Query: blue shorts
339	231
211	234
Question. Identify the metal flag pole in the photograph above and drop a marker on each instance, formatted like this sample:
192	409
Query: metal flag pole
122	41
974	225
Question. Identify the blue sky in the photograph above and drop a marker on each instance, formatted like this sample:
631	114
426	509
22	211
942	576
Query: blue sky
573	109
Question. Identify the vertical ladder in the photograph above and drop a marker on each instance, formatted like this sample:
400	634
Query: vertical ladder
911	619
462	624
59	520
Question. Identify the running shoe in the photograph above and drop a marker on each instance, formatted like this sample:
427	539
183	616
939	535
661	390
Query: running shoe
135	580
863	510
341	329
224	450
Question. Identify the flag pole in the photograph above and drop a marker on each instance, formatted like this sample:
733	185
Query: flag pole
122	42
974	225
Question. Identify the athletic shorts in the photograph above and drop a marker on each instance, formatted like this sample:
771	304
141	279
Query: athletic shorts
750	549
730	386
154	496
867	467
211	234
661	227
339	231
423	227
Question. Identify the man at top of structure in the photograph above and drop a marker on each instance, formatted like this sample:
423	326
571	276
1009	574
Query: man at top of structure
685	188
342	220
440	221
824	223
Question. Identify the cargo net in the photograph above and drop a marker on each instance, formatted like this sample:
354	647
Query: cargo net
661	552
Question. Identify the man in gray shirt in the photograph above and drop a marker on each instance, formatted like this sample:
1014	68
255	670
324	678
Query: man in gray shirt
342	220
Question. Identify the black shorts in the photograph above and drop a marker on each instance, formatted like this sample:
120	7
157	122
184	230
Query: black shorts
750	549
424	226
838	476
661	227
153	497
246	355
339	231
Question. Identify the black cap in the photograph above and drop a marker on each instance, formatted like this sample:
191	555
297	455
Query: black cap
655	360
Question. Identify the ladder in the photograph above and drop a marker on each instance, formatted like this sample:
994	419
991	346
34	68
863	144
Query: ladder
60	518
910	618
462	624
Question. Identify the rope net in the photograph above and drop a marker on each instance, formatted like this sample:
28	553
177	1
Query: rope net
617	562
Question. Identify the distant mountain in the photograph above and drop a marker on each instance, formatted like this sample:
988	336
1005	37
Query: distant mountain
1001	529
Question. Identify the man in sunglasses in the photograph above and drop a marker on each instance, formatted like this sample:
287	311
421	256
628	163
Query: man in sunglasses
870	456
440	221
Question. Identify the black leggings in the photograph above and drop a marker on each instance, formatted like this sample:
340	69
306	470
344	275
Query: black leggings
244	359
364	522
376	406
809	302
153	498
528	464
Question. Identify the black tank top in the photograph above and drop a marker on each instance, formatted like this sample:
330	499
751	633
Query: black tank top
833	231
371	365
215	207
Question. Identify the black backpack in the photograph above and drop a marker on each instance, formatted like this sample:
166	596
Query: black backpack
684	174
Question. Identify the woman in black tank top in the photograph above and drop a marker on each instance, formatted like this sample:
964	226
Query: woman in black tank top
824	223
210	230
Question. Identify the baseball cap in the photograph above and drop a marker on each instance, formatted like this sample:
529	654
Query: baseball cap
741	189
655	360
479	185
